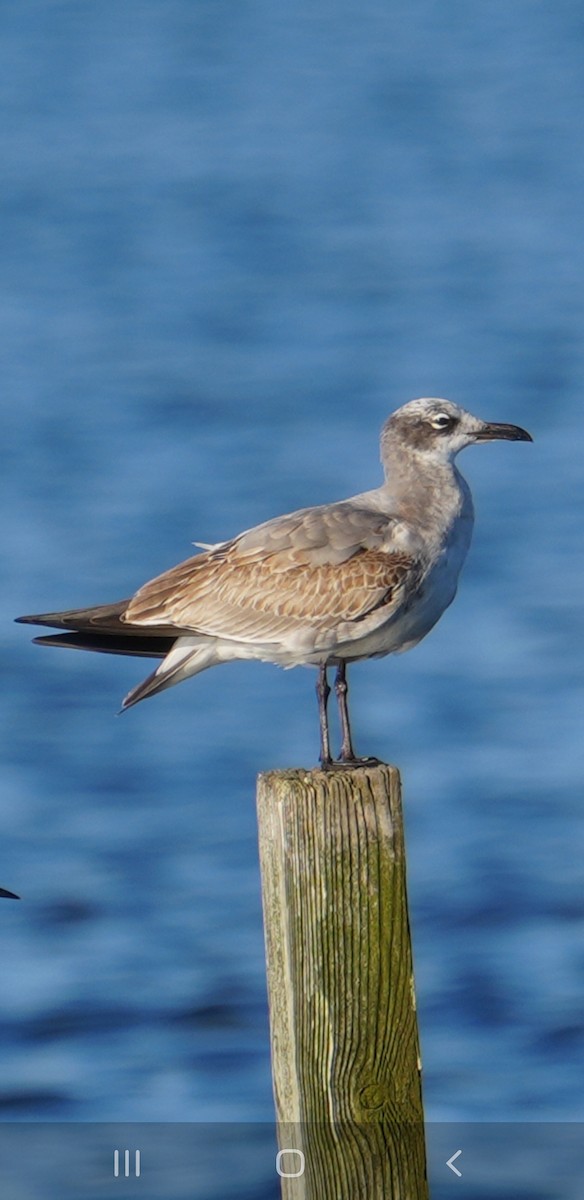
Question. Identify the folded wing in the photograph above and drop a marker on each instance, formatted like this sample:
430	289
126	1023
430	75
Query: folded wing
317	569
318	572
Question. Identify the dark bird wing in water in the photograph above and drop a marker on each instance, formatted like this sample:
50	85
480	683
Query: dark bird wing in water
8	895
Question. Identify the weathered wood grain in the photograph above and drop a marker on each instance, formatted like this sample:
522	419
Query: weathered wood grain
345	1051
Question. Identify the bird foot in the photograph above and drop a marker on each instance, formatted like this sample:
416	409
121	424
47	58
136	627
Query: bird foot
348	764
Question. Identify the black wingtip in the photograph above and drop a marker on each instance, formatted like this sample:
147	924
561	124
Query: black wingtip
8	895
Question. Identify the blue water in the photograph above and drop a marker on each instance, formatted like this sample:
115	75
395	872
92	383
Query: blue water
233	237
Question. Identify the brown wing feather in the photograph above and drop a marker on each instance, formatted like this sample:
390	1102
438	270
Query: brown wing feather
255	598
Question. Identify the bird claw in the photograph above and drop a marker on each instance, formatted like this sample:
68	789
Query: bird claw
349	764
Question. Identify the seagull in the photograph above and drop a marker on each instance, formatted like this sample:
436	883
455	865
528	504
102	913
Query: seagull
323	587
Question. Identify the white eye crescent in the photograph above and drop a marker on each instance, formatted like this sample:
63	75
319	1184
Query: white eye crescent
442	421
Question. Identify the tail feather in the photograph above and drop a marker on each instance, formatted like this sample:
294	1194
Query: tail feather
140	647
101	616
101	619
103	629
187	657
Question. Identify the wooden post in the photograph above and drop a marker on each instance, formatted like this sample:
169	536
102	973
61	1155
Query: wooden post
345	1054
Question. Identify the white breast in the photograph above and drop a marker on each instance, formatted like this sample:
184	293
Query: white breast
445	555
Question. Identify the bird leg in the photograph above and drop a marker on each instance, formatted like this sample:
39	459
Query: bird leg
347	758
341	691
323	692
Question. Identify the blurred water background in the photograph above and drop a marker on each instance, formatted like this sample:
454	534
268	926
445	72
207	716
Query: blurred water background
233	237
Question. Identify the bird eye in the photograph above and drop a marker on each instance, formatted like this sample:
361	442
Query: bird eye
442	421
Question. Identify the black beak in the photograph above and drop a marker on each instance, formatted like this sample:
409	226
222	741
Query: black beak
492	431
8	895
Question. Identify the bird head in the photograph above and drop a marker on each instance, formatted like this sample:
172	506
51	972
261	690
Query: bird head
438	429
